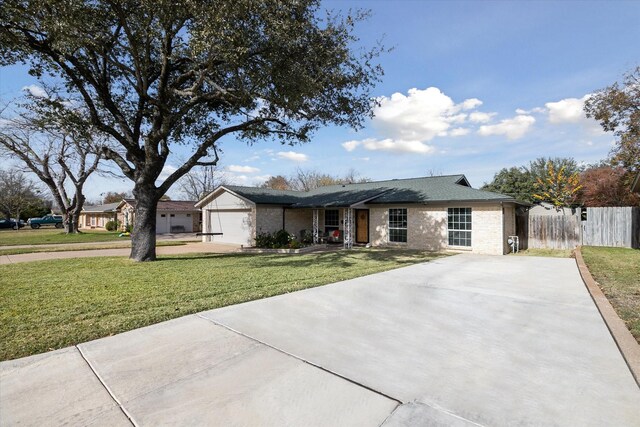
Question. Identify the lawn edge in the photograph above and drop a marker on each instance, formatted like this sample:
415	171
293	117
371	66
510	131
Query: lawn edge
627	344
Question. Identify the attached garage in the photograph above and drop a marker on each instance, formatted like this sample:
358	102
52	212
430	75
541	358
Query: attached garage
229	214
235	226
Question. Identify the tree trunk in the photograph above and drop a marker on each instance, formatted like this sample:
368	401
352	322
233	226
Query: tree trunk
73	219
143	236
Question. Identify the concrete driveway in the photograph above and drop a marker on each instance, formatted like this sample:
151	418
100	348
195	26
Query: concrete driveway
465	340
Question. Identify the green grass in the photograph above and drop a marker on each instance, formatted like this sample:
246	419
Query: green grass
53	304
555	253
617	271
62	248
28	236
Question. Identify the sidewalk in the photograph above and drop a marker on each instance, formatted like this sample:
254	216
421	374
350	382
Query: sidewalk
195	247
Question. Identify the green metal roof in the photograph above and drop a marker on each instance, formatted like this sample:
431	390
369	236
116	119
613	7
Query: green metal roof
424	190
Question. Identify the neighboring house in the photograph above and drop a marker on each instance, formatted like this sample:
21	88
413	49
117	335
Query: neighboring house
546	208
173	216
431	213
97	216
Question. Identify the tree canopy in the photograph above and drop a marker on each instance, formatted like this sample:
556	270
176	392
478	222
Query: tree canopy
156	74
309	179
516	182
617	108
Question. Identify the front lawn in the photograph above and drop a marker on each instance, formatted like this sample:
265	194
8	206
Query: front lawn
617	271
126	243
42	236
53	304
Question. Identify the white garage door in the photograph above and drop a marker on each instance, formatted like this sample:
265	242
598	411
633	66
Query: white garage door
235	226
174	223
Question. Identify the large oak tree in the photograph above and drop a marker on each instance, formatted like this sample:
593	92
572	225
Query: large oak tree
155	74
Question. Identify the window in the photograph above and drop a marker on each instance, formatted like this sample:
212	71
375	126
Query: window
459	226
331	218
163	215
172	215
398	225
188	215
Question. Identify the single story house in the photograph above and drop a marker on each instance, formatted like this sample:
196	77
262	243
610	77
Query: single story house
431	213
97	216
173	216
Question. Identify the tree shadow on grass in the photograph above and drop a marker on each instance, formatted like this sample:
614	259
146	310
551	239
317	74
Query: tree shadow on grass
333	259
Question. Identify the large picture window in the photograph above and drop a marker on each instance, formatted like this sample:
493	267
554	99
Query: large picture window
331	218
459	226
398	225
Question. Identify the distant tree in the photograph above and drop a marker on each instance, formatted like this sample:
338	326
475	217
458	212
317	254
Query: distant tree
277	182
61	154
558	186
516	182
114	197
606	186
617	108
17	193
539	168
159	74
201	181
309	179
353	177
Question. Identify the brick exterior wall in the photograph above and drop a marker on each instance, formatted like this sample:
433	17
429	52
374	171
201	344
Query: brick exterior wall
427	227
297	220
268	219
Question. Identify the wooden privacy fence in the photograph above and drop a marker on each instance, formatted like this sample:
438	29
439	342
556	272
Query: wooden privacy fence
618	226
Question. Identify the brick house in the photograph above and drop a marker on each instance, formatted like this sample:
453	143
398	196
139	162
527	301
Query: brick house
97	216
431	213
172	216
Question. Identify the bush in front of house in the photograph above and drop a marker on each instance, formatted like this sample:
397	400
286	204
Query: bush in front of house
279	240
112	225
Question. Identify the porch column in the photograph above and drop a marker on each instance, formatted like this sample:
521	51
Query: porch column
348	228
316	232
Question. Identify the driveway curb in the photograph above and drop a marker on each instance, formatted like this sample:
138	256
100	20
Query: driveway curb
626	343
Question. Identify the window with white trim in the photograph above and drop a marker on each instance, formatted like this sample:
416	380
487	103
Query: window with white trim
331	218
459	226
398	225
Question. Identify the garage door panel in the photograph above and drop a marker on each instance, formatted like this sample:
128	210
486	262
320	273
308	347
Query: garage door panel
235	226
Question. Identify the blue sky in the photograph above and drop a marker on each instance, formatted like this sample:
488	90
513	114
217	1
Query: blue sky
470	87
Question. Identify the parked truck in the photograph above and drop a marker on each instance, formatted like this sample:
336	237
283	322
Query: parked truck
55	220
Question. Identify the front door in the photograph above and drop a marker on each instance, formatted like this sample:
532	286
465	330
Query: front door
362	225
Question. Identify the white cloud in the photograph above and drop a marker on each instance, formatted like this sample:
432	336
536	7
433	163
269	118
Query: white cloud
421	115
397	146
513	128
293	156
479	117
242	169
470	104
459	132
568	110
407	122
36	91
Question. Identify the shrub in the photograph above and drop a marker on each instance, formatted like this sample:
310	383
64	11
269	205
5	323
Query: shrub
264	240
112	225
282	238
294	244
128	228
307	237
